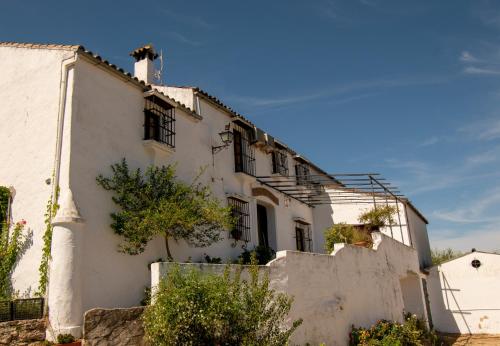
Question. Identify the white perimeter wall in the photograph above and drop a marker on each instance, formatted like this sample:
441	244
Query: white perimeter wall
29	98
463	299
354	285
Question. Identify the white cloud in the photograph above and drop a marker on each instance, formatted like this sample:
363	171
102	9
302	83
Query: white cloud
480	210
186	19
468	57
484	130
182	39
481	71
354	87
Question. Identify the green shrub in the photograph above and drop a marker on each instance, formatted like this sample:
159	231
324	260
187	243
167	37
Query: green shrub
344	233
195	308
263	254
412	332
65	339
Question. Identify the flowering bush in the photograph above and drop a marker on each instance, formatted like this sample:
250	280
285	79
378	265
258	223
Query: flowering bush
412	332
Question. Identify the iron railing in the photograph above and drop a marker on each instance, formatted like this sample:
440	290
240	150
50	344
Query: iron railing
21	309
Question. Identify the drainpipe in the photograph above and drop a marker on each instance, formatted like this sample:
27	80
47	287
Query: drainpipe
66	65
64	293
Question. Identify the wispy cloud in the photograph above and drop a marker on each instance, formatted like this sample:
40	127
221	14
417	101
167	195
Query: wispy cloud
370	3
429	141
474	210
466	56
182	39
481	71
355	87
485	130
186	19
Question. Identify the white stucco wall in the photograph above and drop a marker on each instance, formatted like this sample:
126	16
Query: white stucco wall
29	99
354	285
107	126
464	300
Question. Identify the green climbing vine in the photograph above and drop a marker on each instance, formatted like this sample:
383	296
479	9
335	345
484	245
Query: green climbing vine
11	244
50	211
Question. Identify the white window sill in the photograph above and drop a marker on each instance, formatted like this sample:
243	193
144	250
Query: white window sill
158	147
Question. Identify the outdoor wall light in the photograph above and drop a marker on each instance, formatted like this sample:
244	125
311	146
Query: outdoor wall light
226	137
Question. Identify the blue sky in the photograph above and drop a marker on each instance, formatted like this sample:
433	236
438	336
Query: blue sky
410	89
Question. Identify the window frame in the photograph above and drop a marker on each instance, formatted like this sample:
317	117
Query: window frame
303	174
244	152
240	210
279	159
159	121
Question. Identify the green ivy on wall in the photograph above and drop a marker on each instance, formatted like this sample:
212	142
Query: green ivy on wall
4	203
43	270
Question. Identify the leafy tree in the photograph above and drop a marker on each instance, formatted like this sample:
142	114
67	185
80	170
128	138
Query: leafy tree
157	203
195	308
441	256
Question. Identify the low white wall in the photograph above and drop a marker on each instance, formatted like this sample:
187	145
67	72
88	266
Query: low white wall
354	285
464	299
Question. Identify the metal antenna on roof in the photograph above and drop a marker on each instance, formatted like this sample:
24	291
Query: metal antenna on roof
159	73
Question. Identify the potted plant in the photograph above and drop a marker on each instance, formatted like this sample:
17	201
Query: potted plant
378	217
236	234
348	234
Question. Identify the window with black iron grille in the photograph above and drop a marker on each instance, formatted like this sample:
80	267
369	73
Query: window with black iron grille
241	212
159	121
303	237
303	174
280	162
244	152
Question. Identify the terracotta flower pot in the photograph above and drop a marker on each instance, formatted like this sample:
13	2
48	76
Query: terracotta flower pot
363	243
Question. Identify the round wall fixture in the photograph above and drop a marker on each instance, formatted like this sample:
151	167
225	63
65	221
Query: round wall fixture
475	263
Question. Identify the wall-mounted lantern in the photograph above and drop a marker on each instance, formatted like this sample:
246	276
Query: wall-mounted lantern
226	137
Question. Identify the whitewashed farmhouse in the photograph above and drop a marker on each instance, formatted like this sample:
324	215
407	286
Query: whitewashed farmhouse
67	114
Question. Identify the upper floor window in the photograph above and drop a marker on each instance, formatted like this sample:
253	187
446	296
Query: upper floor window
244	152
303	237
302	173
280	162
241	212
159	121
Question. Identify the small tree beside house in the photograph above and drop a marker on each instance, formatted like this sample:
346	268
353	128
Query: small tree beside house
156	203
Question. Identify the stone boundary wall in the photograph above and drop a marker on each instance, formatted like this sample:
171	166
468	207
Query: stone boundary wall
122	327
22	333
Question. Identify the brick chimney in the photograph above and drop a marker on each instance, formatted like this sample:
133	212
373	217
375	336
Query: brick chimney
144	67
